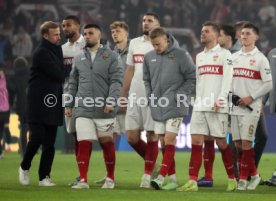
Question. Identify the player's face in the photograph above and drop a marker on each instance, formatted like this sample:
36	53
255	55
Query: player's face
119	34
248	37
70	28
208	34
160	44
92	36
53	36
149	22
222	39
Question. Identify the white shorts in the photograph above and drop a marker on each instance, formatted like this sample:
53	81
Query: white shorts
70	124
139	118
92	129
244	127
171	125
209	123
119	126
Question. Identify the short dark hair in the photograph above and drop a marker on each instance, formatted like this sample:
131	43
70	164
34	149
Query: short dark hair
72	17
156	32
95	26
214	25
228	31
20	63
45	26
155	16
250	25
120	24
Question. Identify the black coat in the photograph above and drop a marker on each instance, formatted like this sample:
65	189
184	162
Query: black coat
44	96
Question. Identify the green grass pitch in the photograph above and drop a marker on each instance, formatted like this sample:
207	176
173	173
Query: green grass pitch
129	170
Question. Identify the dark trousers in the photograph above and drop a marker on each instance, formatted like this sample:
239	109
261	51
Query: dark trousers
1	135
23	134
235	155
260	139
44	135
69	140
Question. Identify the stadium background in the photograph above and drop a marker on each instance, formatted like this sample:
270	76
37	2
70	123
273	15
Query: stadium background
182	17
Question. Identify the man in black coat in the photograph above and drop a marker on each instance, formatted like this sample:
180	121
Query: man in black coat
44	103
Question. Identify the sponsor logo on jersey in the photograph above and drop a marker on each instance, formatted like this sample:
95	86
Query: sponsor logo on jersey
210	69
267	71
67	61
247	73
229	62
138	58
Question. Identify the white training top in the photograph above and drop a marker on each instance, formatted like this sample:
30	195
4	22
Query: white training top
214	73
251	73
70	50
138	47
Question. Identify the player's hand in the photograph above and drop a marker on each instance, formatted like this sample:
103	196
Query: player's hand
218	104
245	100
108	109
123	104
68	112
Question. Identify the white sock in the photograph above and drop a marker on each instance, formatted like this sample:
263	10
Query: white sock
161	178
172	178
255	176
274	173
147	176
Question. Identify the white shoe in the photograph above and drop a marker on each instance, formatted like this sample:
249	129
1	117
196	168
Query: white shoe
23	176
108	184
100	181
74	182
81	185
254	182
47	182
242	185
145	181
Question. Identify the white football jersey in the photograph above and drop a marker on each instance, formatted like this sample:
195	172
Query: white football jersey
251	70
214	73
70	50
138	47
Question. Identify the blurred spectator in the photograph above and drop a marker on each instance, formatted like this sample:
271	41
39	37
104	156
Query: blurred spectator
22	43
20	81
4	107
220	12
4	43
267	13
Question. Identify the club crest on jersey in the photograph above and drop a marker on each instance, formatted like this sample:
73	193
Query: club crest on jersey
105	56
215	57
252	62
171	56
138	58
